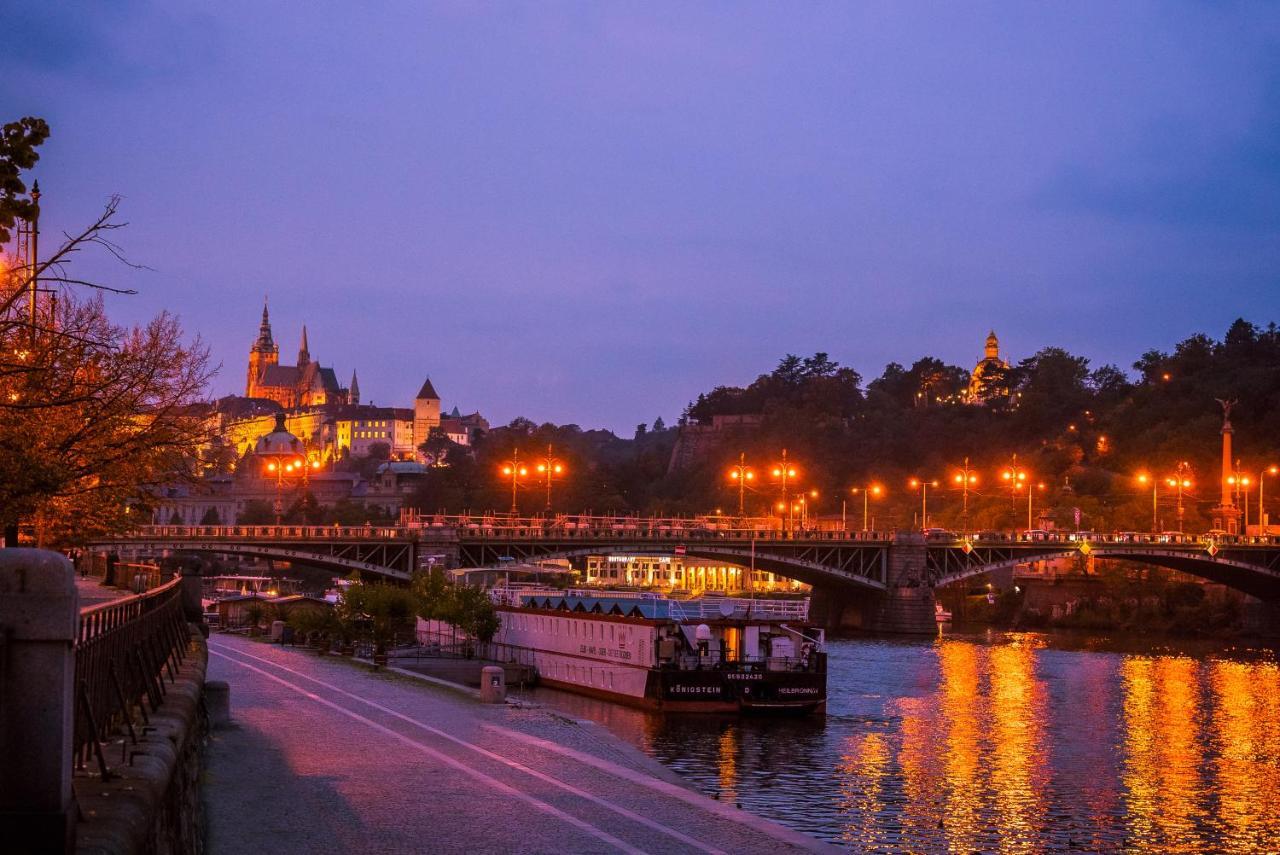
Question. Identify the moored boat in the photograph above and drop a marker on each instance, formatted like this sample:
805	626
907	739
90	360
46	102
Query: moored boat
711	654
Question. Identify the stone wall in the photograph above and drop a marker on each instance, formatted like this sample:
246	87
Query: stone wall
152	802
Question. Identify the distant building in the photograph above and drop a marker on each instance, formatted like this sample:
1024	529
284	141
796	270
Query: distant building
989	368
356	429
463	430
305	384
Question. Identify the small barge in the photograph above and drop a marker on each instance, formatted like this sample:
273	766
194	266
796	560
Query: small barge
711	654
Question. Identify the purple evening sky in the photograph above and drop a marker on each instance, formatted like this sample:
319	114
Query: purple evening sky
591	212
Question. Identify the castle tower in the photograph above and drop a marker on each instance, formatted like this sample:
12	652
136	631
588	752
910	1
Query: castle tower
263	353
304	355
353	394
426	412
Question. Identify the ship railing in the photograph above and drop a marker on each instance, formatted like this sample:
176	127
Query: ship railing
709	607
711	661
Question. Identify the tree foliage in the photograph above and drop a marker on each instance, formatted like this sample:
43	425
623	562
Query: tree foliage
91	412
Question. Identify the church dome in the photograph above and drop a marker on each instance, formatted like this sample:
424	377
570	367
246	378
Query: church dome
278	443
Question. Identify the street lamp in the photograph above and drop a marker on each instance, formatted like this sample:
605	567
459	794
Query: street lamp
1144	479
291	466
1030	493
1016	476
515	470
1180	480
807	502
740	475
785	472
1262	508
549	467
867	492
924	498
965	478
1240	486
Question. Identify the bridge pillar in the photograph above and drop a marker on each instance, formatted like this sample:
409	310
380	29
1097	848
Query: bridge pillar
906	606
1261	618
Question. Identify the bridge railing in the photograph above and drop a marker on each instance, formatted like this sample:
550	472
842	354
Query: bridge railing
675	531
473	527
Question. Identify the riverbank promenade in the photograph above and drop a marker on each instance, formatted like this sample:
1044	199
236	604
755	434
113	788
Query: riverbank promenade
324	756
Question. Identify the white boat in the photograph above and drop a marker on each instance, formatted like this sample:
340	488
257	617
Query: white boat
712	654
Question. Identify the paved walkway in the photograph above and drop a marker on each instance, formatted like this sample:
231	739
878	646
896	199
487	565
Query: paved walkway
326	757
93	592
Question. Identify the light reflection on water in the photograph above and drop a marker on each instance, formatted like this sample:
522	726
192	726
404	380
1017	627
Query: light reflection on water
1001	744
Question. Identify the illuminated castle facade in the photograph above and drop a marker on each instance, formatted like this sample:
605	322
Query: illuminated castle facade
305	384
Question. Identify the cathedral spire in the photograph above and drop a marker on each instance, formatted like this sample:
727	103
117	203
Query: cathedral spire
304	355
264	342
353	394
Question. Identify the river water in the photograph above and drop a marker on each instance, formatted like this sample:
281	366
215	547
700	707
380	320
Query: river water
1000	742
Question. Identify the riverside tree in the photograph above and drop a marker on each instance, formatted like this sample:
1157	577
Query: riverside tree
92	413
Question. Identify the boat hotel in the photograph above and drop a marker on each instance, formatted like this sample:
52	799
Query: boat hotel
710	654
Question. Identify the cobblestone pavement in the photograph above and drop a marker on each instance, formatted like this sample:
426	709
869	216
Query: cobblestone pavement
324	756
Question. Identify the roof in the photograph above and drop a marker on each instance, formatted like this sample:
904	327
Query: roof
403	467
280	375
296	598
427	391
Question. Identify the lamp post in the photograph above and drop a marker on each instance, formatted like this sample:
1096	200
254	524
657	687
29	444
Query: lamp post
1262	508
1240	486
282	465
966	477
741	474
549	467
785	472
1143	478
1015	476
867	491
1030	492
1180	480
924	498
514	470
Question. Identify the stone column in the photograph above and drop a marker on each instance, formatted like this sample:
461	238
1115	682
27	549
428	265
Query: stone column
191	583
39	619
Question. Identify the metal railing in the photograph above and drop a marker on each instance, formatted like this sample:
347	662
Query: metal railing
123	651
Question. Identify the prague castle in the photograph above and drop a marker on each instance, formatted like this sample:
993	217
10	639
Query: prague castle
306	384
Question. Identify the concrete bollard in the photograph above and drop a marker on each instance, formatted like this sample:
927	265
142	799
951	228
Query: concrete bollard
217	698
40	619
493	685
277	631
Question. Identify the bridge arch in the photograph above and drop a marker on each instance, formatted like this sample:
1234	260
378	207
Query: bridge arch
339	563
1249	578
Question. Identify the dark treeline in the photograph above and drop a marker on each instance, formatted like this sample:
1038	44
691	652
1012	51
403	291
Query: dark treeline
1083	432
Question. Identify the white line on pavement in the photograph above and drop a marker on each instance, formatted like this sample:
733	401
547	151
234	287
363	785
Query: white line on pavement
619	809
446	759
